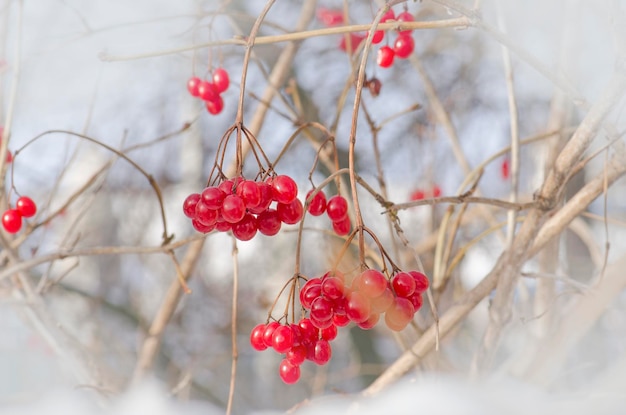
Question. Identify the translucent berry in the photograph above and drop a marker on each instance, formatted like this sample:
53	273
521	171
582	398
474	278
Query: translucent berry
341	320
404	46
233	209
310	291
192	86
342	227
322	352
405	17
297	354
321	309
246	228
206	91
329	333
378	37
221	80
372	283
189	205
215	106
265	190
289	372
385	56
282	338
421	281
317	205
284	188
337	208
309	333
382	303
333	288
201	227
269	332
290	213
357	307
417	300
213	197
12	221
268	222
403	284
371	321
249	191
256	337
399	314
205	215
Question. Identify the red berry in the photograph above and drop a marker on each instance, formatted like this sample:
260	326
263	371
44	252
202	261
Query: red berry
317	205
309	333
221	80
372	283
215	106
284	189
297	354
310	291
12	221
205	215
206	91
189	205
322	352
385	56
403	284
355	41
329	333
269	332
341	320
378	37
268	222
249	191
418	195
290	213
256	337
421	281
266	198
289	372
321	310
405	17
246	228
213	197
370	322
382	303
342	227
223	226
358	307
337	208
233	209
399	314
417	300
333	288
389	15
282	338
436	191
228	186
192	86
403	46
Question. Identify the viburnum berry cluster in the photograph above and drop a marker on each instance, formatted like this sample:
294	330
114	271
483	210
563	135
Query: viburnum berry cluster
403	45
210	91
336	209
245	206
25	207
332	303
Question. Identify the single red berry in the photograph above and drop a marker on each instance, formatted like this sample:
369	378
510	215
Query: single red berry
378	37
389	15
405	17
290	213
355	41
282	338
192	86
404	46
321	310
341	320
329	333
221	80
309	333
269	332
284	189
289	372
310	291
358	307
333	288
372	283
205	215
268	222
189	205
266	198
371	321
249	191
403	284
337	208
246	228
297	354
417	300
228	187
233	209
421	281
206	91
385	56
342	227
256	337
418	195
223	226
213	197
317	205
322	352
201	227
12	221
215	106
400	314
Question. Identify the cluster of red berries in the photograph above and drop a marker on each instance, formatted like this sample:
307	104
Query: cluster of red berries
210	91
245	206
298	342
336	208
404	44
421	194
12	218
332	303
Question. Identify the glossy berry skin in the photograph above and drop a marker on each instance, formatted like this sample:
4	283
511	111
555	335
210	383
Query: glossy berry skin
189	205
290	213
201	227
221	80
310	291
385	56
372	283
421	281
265	190
284	189
269	332
358	307
317	205
389	15
205	215
378	37
268	222
249	191
403	284
12	221
246	228
233	209
337	208
282	339
342	227
192	86
404	46
256	337
215	106
405	17
370	322
289	372
400	314
297	354
213	197
322	352
206	91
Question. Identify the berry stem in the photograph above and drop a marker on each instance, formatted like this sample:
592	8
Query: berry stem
233	328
